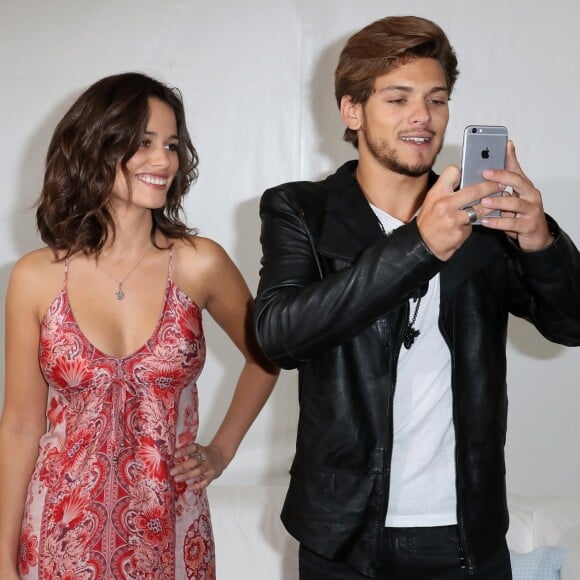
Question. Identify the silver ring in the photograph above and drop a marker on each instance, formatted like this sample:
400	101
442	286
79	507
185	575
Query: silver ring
471	214
202	456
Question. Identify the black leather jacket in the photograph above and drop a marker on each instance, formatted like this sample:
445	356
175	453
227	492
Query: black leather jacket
333	302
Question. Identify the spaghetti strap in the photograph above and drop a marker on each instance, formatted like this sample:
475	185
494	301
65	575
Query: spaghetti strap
170	266
65	278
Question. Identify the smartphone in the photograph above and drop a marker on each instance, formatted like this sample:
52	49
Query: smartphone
484	147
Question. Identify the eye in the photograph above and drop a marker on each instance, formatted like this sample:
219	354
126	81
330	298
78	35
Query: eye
146	143
397	101
439	98
172	147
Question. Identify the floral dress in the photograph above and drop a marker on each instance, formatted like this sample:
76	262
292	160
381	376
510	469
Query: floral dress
101	503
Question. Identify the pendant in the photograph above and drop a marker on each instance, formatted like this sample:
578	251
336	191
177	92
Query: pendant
120	294
410	335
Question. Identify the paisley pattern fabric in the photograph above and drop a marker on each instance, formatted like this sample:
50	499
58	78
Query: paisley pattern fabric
101	503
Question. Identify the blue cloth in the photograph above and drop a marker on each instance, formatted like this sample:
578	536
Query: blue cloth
543	563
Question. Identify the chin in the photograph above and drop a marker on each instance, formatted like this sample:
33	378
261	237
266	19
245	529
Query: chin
157	206
155	201
417	170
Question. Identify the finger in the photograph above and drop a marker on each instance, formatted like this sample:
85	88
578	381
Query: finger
511	225
472	215
189	472
511	160
476	192
449	180
449	177
192	450
513	174
510	204
501	224
190	464
505	179
185	450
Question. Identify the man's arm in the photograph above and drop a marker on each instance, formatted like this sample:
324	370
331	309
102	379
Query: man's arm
300	312
546	260
550	297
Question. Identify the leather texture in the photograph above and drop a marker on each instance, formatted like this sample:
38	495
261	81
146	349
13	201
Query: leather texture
332	302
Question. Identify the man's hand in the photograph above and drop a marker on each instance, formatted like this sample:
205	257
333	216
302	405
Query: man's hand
522	213
443	224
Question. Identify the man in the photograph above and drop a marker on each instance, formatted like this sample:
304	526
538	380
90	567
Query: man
394	309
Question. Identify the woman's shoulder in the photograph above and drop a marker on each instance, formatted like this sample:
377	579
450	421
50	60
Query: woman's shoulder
201	267
35	280
201	251
36	265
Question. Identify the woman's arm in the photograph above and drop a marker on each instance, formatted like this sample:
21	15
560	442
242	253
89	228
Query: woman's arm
229	302
23	417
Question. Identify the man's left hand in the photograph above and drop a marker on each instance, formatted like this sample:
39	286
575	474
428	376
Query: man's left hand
522	213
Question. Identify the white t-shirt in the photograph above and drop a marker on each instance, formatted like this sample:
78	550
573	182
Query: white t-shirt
422	483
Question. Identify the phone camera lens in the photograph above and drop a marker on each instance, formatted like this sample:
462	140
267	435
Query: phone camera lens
474	130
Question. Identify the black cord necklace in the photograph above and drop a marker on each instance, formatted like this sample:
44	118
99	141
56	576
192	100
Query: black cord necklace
411	333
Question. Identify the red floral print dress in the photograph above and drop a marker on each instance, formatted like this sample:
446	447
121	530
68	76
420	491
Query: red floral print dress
101	503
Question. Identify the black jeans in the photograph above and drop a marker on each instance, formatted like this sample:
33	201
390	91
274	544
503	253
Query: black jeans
412	554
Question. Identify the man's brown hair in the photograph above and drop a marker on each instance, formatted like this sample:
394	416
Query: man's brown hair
384	45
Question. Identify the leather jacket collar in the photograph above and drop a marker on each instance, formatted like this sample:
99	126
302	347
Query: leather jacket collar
350	225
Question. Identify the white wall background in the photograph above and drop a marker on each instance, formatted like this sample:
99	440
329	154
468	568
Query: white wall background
257	82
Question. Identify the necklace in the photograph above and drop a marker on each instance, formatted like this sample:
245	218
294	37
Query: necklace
120	293
411	333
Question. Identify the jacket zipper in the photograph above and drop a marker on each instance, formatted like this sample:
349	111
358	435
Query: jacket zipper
465	560
397	343
396	348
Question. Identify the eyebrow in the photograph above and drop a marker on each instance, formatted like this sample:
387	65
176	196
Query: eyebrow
407	89
176	137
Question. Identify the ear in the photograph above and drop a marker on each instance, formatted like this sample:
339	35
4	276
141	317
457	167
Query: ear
351	113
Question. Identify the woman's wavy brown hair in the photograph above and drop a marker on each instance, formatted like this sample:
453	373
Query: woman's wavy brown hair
384	45
103	128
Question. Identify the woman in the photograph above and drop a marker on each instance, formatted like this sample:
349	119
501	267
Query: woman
104	340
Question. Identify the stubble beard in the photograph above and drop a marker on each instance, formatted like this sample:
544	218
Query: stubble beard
389	159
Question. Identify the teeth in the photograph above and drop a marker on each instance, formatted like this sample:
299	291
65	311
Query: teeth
152	180
416	139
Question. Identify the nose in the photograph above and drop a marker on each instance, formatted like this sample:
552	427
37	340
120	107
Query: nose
421	113
159	157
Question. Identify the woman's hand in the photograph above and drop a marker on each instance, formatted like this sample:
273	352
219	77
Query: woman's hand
198	465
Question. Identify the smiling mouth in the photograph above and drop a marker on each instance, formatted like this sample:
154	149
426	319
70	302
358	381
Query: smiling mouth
419	140
152	180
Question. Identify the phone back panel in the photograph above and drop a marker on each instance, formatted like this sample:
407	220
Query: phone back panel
484	147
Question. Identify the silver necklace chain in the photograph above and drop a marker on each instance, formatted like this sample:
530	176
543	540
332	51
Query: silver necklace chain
120	293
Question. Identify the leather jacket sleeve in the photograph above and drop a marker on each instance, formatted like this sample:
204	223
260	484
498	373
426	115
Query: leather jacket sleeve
549	293
303	307
310	301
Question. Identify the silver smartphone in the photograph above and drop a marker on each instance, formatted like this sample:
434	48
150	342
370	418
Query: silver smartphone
484	147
